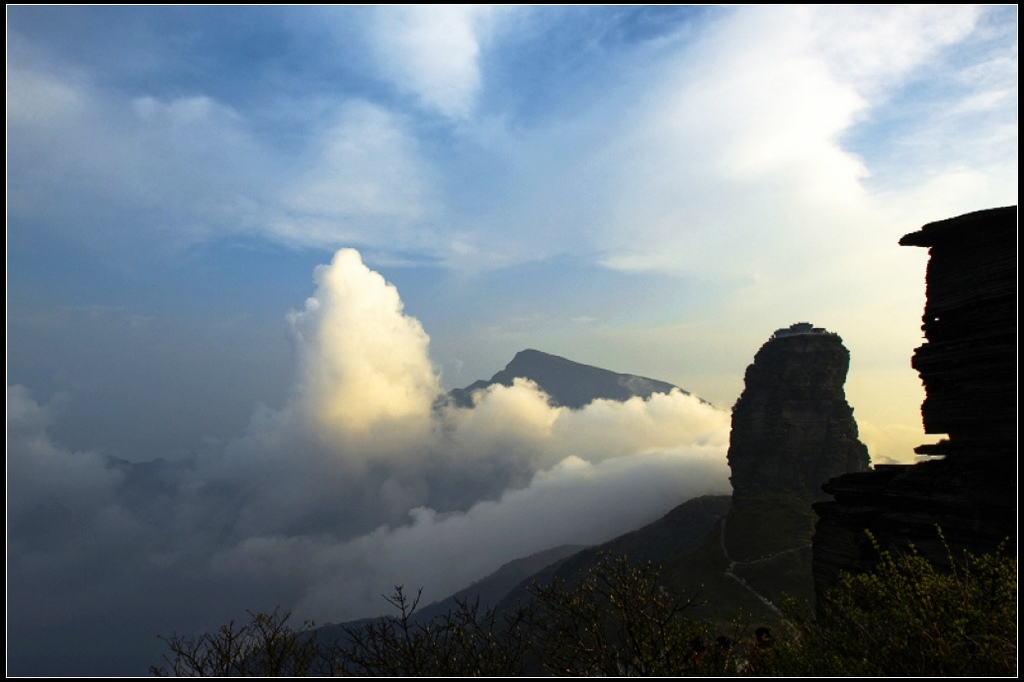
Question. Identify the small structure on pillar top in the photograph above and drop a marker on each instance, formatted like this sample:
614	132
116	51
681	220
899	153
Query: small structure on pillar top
800	329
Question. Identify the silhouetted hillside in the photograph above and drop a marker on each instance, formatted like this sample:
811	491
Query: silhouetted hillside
488	592
677	532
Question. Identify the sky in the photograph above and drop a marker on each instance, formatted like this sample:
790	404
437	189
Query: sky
247	248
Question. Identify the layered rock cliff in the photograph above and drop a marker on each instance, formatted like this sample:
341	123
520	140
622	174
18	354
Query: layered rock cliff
969	369
792	428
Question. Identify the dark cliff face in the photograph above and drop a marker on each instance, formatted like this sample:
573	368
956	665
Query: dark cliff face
968	362
792	428
567	383
969	369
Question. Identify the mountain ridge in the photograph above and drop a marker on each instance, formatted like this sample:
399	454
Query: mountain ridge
567	383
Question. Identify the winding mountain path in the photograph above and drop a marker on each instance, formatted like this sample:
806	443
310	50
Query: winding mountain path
733	563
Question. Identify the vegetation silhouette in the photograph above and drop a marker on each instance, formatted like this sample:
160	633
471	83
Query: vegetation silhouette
266	646
909	617
906	617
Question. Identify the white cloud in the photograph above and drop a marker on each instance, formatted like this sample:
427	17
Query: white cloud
364	182
34	96
183	169
574	502
873	48
151	170
433	52
363	361
738	150
46	475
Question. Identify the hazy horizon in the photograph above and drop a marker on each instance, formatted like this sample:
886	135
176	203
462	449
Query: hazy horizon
251	246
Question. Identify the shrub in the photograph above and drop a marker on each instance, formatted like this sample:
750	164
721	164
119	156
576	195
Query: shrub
265	647
464	642
616	620
909	618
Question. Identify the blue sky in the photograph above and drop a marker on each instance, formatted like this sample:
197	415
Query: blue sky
653	190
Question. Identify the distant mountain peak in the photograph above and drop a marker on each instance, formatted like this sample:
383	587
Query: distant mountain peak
567	383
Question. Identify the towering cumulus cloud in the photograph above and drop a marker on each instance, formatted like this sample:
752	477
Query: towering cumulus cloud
364	365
